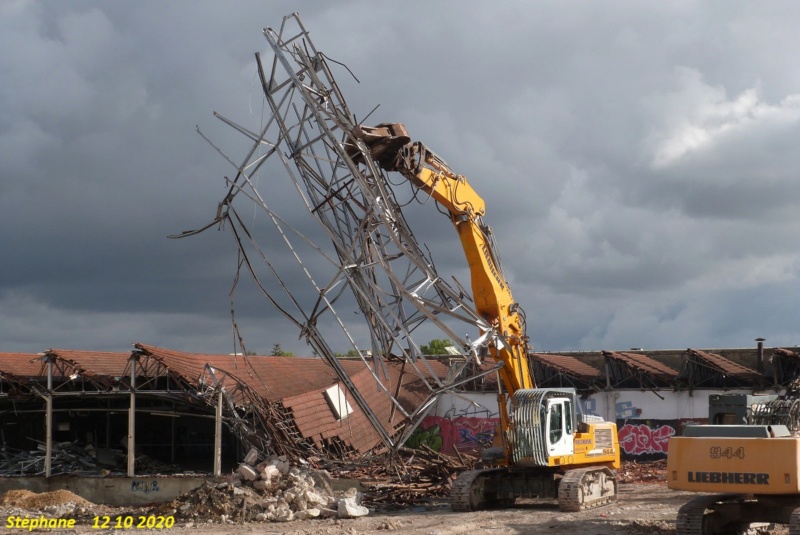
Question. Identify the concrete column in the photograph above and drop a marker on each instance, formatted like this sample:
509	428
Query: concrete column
218	436
48	421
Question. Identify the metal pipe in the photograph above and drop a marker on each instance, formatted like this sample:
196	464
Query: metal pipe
48	418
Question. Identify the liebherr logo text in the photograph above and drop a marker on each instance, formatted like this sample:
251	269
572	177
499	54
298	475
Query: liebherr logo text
736	478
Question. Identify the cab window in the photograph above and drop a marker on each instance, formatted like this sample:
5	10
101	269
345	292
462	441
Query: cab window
556	422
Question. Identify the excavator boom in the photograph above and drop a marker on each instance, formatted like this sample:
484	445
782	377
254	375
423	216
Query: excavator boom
548	449
391	147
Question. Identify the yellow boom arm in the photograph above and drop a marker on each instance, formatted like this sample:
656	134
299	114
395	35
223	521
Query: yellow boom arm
390	146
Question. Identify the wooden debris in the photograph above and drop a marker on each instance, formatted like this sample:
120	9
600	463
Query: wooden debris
412	477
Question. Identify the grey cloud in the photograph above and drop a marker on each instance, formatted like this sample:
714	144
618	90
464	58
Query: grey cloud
554	111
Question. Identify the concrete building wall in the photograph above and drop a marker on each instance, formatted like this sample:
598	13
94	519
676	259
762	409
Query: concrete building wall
645	420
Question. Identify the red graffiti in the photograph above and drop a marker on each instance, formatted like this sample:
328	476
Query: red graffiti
463	433
640	439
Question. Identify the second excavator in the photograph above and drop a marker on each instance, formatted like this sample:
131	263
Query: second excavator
550	448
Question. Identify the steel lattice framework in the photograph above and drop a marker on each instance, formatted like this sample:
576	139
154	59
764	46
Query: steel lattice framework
368	246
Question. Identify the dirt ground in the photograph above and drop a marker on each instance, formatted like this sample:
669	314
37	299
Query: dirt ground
642	508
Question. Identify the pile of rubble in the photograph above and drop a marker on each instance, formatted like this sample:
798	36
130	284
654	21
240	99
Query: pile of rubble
643	472
271	490
58	503
414	477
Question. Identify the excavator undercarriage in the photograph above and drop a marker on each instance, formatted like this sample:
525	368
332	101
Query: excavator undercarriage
576	490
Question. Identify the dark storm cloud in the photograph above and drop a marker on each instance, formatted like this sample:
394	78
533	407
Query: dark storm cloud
637	161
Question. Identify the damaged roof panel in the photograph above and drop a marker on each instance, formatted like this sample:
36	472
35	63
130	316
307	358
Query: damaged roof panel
725	365
271	377
644	363
21	364
93	362
568	365
636	370
704	369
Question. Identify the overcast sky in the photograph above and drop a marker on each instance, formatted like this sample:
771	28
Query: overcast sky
639	161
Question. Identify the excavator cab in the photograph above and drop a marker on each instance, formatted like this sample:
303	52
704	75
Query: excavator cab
560	427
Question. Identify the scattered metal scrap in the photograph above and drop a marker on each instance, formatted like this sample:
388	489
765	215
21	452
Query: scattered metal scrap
76	459
367	246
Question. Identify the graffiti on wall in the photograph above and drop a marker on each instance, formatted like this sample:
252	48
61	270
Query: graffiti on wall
146	486
589	406
465	431
647	440
626	410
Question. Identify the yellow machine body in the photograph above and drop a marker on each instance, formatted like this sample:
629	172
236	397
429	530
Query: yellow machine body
734	465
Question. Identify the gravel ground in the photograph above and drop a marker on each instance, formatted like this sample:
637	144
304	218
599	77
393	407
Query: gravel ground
642	508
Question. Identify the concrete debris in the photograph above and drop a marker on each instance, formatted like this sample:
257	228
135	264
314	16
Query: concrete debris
251	457
272	491
247	472
348	508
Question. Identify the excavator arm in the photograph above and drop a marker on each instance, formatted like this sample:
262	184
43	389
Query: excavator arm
545	453
391	147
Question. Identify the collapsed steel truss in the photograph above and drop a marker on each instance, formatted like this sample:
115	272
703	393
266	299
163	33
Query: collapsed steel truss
368	246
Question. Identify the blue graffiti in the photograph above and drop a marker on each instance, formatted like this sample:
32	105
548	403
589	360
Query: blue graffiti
468	437
625	410
145	486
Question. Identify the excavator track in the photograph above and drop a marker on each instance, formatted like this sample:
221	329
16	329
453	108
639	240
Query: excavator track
794	522
586	488
462	497
692	519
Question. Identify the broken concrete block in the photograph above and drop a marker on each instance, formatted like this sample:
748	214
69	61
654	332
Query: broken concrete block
322	479
315	499
282	514
307	513
269	472
348	508
247	472
261	484
326	512
283	467
251	457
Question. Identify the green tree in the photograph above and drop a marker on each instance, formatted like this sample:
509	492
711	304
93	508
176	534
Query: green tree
278	352
351	353
436	347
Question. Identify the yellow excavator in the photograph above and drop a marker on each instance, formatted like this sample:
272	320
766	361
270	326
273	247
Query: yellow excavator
550	449
748	473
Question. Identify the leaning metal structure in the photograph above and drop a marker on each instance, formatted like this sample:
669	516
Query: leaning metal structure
367	276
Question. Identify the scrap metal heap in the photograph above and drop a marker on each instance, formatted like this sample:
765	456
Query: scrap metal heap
312	143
